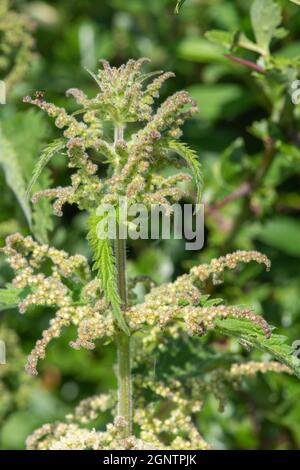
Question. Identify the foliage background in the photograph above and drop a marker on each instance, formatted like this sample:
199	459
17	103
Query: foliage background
73	35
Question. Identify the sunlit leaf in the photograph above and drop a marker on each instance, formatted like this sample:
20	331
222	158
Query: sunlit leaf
232	40
223	38
265	18
251	335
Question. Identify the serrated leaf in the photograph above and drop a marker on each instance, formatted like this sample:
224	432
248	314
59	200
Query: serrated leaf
191	158
251	335
50	151
42	214
104	264
13	174
265	18
27	132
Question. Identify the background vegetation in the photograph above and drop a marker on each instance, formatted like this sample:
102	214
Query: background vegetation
70	36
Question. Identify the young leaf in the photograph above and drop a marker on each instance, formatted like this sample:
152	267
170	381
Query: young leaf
13	174
104	263
265	18
251	335
50	151
191	158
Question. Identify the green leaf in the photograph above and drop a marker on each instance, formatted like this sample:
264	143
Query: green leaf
42	214
234	163
251	334
50	151
179	5
13	174
9	297
265	18
232	40
295	1
219	101
199	50
27	132
282	233
223	38
104	263
192	159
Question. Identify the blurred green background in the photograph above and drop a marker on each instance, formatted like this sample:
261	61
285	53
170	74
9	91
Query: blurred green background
70	36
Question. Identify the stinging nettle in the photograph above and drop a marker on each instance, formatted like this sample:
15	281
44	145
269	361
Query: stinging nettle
124	128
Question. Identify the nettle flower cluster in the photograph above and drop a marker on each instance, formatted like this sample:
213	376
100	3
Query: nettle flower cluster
86	309
143	139
80	300
135	160
167	310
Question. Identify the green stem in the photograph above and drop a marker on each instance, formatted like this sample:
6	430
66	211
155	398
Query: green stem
123	340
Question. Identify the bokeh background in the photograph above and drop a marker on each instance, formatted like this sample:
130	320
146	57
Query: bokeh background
70	36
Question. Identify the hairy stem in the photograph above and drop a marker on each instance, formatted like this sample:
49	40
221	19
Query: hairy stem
123	341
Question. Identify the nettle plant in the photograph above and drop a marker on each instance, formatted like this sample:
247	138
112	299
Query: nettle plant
122	127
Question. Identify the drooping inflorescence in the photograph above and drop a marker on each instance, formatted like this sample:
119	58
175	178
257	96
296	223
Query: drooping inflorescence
180	301
165	420
84	305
